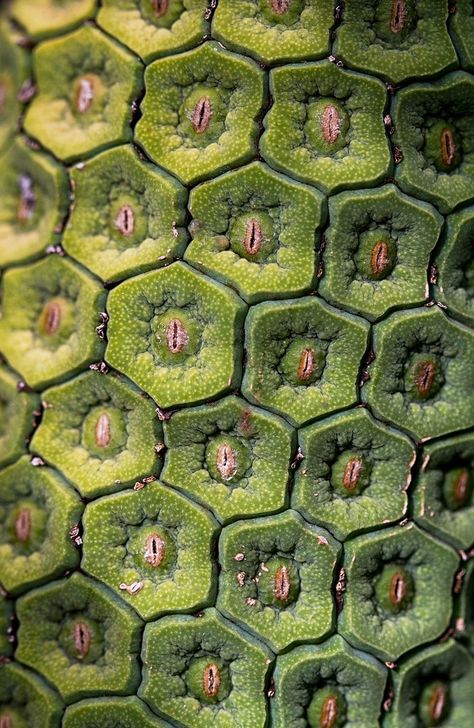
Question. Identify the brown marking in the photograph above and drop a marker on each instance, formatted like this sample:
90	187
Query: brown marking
102	430
330	124
448	147
424	377
399	16
306	364
176	336
155	549
82	639
226	461
380	259
329	712
437	702
160	7
211	680
6	721
280	7
461	487
202	115
253	237
352	473
23	525
398	589
51	318
27	200
282	584
84	95
3	97
125	221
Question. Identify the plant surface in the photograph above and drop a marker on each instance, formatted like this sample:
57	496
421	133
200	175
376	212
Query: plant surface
236	363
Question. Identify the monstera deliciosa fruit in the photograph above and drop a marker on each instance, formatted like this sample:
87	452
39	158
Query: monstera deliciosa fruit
237	363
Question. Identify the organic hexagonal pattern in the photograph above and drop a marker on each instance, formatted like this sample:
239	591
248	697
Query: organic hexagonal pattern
326	126
14	69
443	497
227	455
132	221
292	350
396	39
435	132
154	28
354	475
177	334
156	540
80	637
199	111
274	31
17	417
34	193
100	425
182	656
421	378
377	251
50	314
399	590
236	363
37	511
455	266
86	85
273	570
313	677
26	700
434	687
256	231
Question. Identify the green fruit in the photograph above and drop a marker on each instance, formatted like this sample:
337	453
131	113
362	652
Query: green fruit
236	363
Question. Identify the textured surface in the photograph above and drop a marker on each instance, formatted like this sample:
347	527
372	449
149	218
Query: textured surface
236	377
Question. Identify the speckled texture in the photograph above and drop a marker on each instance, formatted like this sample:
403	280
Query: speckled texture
268	440
413	226
115	180
426	50
364	159
299	672
151	36
71	420
448	662
26	232
59	65
168	646
311	548
136	308
383	500
432	566
239	85
111	523
26	292
245	27
236	377
28	558
285	265
429	332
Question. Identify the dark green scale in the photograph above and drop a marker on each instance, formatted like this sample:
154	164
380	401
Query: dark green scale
434	703
350	474
81	638
327	708
424	376
303	362
278	582
227	458
395	20
458	486
394	588
208	679
376	255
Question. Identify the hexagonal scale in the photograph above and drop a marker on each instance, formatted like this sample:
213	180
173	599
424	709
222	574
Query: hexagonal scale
153	547
177	334
50	313
86	85
273	570
233	457
354	474
256	231
100	432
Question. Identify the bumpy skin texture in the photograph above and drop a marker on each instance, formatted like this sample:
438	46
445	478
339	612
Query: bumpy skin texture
236	363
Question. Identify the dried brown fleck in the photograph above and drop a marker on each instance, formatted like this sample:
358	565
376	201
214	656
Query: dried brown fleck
155	549
82	639
176	336
23	525
202	114
102	430
226	461
282	584
211	680
330	124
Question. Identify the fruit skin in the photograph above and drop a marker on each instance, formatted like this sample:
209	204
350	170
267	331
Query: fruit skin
262	249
